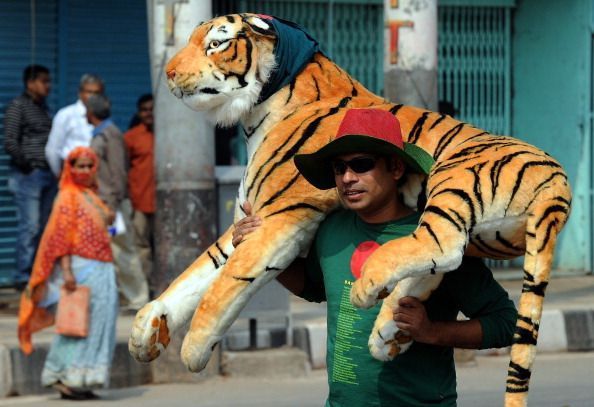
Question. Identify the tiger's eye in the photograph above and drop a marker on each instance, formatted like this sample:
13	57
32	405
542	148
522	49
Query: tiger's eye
214	44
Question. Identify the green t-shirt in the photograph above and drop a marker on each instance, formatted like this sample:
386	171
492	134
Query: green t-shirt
425	374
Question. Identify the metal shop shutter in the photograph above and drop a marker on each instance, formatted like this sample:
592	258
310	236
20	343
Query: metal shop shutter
108	38
27	35
474	61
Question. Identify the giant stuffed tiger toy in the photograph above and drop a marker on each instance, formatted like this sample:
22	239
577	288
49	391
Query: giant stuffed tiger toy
486	195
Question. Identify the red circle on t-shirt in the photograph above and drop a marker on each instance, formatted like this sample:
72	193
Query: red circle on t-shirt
360	255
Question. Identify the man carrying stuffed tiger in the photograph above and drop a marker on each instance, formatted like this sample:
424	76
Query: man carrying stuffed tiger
365	162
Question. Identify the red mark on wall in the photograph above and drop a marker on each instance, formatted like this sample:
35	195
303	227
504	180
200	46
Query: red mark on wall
394	26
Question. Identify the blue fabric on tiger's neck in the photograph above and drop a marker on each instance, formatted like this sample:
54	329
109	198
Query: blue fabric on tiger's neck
294	48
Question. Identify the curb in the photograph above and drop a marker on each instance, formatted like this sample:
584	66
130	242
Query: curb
278	362
566	330
20	374
5	371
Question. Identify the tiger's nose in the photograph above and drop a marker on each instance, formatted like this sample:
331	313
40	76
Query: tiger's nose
171	74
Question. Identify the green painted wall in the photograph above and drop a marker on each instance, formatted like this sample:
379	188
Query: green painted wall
551	104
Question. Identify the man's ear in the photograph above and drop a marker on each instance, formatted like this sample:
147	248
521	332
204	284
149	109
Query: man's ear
398	168
259	24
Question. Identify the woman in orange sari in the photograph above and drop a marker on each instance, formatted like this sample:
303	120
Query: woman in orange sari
74	249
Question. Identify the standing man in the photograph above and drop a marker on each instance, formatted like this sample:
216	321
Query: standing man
365	162
27	125
70	128
140	145
108	144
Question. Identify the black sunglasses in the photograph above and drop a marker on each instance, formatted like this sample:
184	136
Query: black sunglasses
359	165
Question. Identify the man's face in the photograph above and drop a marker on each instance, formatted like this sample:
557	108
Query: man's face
40	87
89	89
366	192
145	113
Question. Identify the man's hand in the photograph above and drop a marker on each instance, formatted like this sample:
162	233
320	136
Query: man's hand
110	217
410	316
246	225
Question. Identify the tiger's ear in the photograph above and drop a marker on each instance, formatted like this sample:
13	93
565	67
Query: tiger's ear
259	24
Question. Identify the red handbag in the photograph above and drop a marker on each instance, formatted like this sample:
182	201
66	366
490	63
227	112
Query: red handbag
72	317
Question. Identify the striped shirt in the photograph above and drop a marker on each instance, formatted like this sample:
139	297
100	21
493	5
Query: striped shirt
26	125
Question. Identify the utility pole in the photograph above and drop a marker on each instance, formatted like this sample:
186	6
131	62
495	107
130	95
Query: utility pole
410	65
185	223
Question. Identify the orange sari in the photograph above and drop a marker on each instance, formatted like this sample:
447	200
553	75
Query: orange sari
76	226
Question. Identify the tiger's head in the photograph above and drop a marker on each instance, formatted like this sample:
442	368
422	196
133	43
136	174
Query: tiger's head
224	66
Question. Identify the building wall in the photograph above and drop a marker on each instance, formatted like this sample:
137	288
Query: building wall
109	38
551	91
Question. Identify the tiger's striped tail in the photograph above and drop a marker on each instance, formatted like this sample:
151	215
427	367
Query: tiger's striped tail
543	225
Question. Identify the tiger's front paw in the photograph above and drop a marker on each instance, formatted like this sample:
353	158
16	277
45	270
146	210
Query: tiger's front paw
388	341
373	285
150	333
363	295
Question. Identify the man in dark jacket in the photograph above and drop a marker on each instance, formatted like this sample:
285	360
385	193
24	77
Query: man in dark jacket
27	125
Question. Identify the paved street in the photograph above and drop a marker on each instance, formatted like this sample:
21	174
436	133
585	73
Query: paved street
559	380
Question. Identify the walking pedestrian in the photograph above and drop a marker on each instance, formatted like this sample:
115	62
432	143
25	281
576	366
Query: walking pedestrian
74	250
364	163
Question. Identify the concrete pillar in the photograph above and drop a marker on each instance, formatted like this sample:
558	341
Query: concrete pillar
186	202
410	63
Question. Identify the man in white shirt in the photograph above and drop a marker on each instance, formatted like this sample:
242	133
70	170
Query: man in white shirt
70	127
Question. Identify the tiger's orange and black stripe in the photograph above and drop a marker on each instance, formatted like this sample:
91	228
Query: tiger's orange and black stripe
487	195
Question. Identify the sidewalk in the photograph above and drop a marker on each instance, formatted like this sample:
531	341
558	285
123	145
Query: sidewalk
567	325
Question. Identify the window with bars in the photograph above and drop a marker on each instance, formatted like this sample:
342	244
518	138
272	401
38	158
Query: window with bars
474	64
474	69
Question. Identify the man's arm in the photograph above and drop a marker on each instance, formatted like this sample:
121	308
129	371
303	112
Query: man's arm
12	135
293	278
55	142
117	161
411	317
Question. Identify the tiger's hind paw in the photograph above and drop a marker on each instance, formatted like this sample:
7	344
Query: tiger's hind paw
150	333
197	349
388	342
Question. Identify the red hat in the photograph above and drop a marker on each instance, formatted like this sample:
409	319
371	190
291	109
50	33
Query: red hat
362	131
